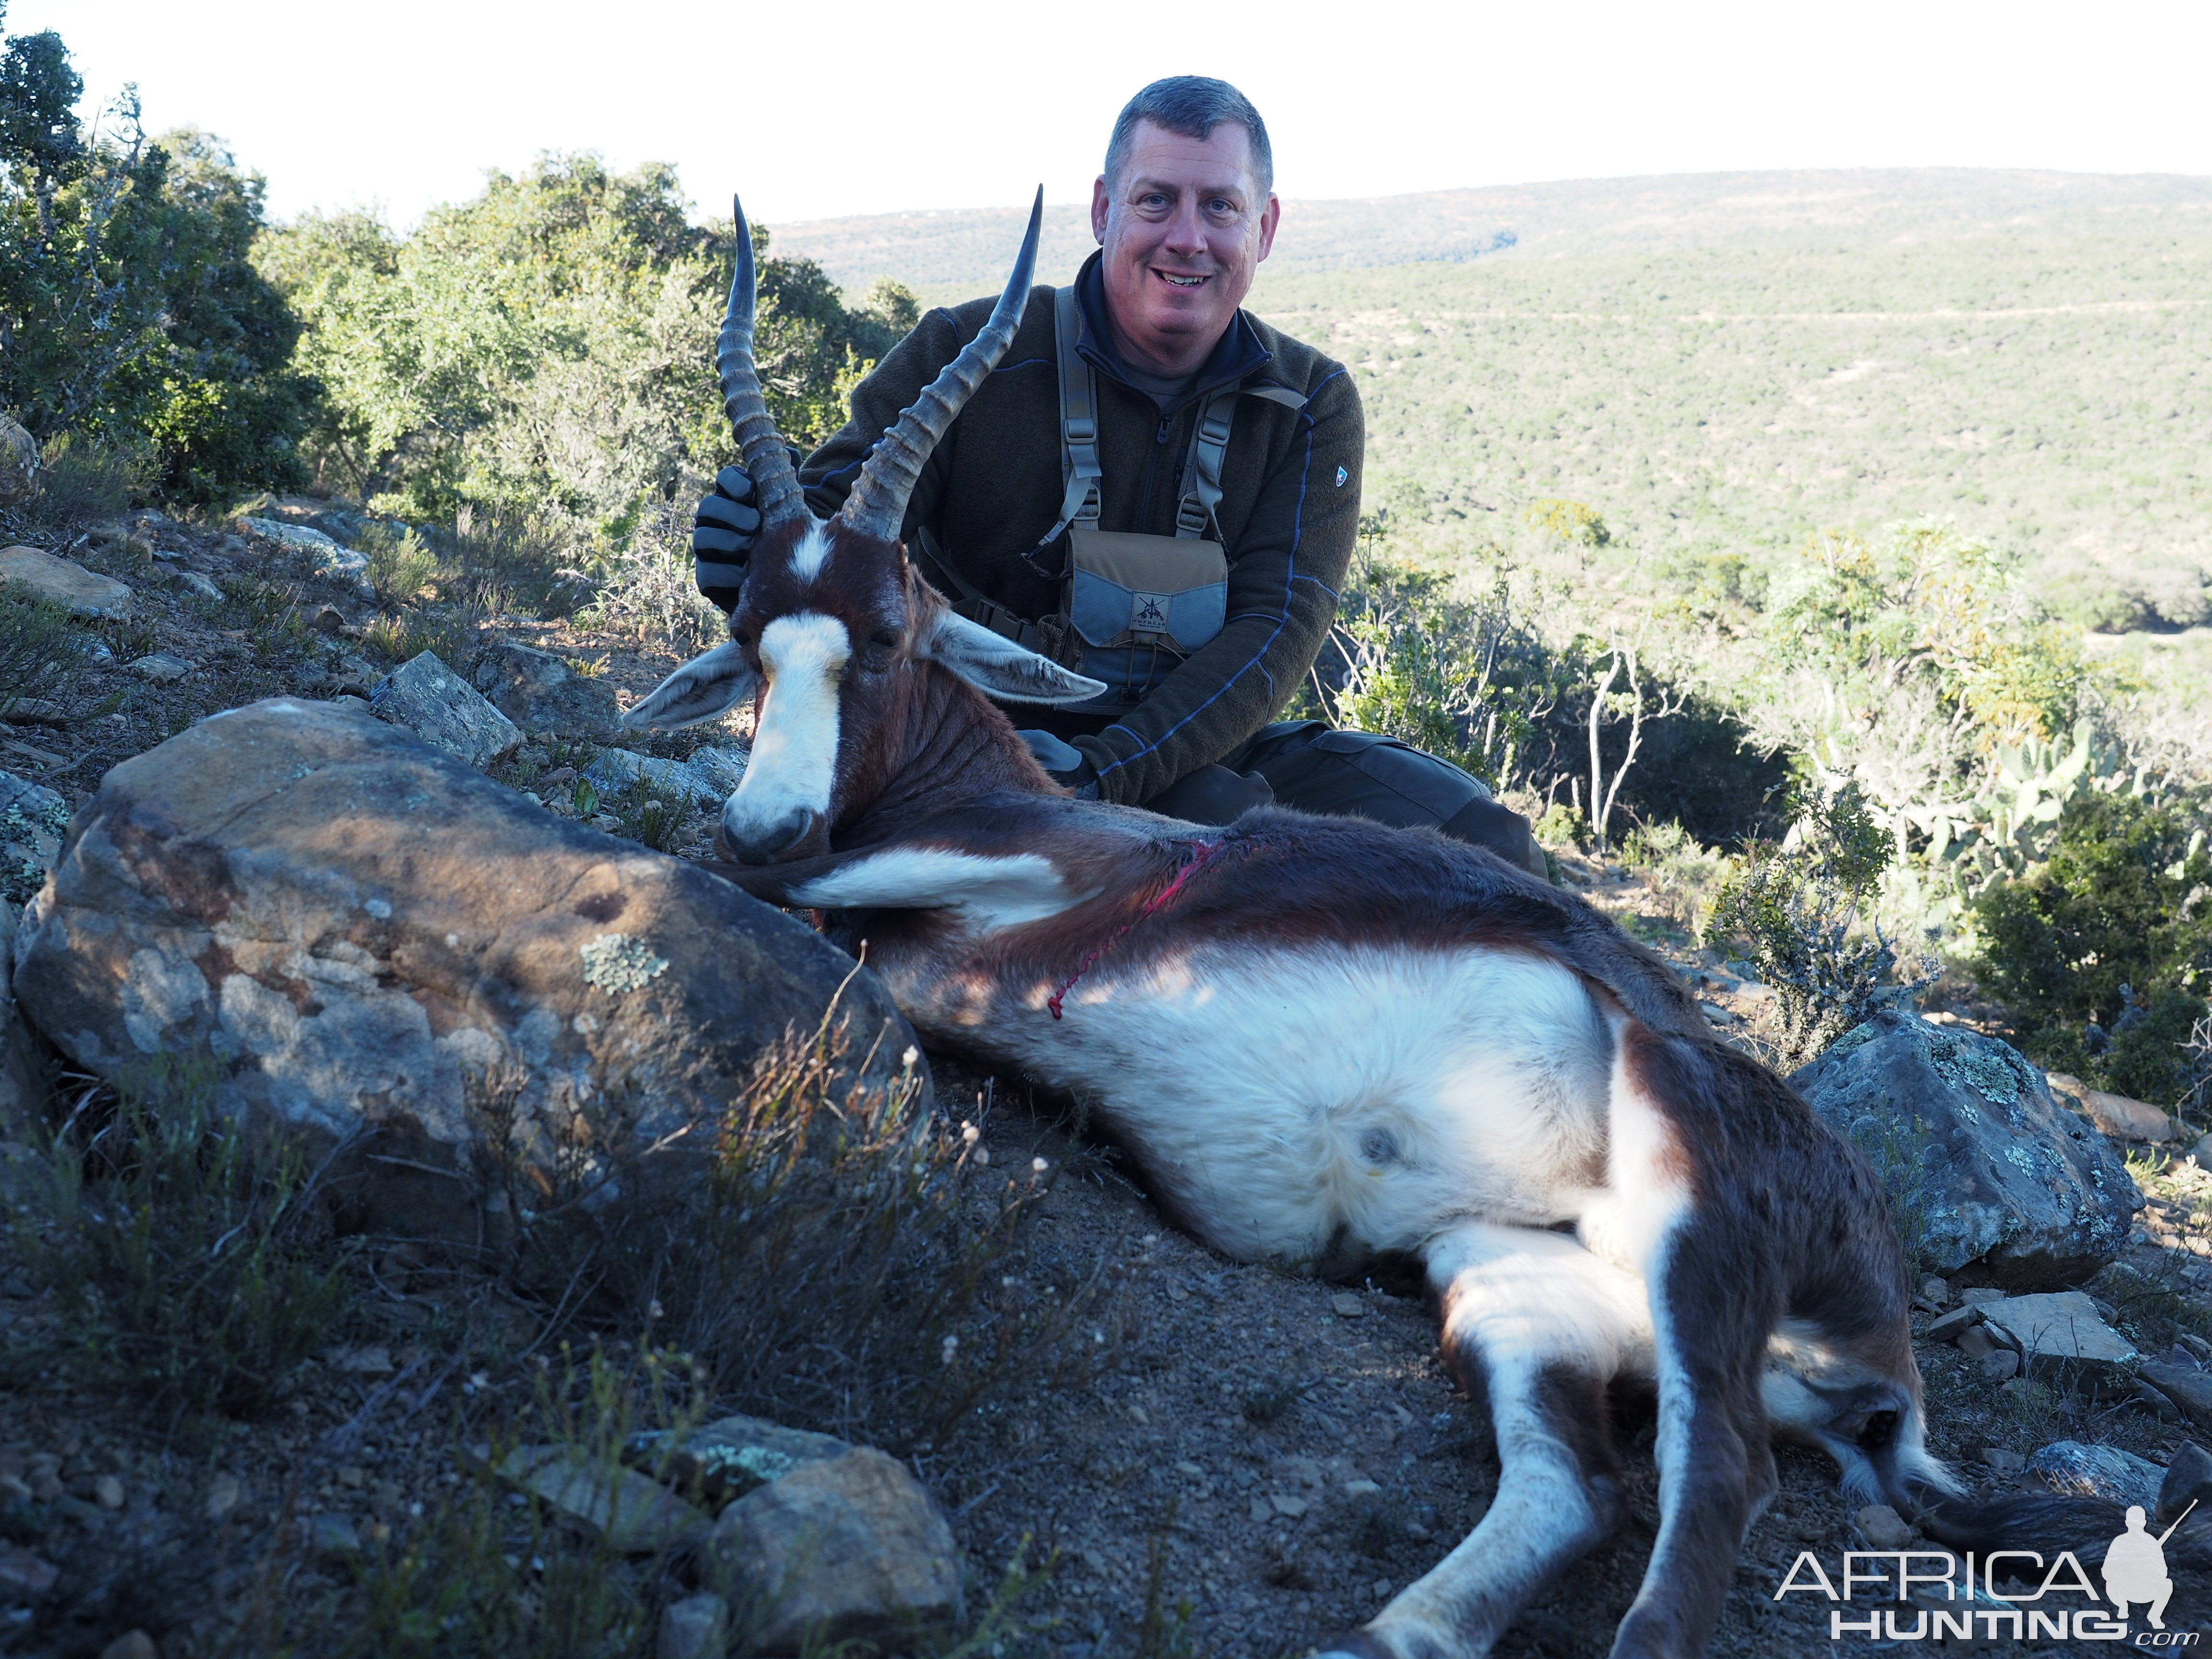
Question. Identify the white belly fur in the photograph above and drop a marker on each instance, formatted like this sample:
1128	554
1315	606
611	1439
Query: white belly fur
1311	1103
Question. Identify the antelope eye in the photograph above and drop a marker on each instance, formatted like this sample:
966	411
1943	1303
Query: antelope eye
885	639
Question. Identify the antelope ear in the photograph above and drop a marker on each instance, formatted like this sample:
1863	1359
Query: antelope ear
707	685
998	667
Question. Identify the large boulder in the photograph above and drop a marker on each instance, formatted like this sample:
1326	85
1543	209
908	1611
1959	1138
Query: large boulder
540	693
64	582
378	943
444	710
19	463
843	1549
1989	1179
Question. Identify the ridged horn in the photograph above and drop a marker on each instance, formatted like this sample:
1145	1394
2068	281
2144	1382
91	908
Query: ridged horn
877	505
776	481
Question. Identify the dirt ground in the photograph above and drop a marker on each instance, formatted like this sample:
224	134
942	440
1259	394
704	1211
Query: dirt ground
1276	1456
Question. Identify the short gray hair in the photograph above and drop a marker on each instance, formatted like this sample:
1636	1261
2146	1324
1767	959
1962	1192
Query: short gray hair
1192	106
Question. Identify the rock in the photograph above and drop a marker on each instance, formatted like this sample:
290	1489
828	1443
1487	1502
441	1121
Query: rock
1948	1328
69	585
1980	1296
2188	1479
850	1549
223	1494
2003	1461
2158	1404
202	585
1976	1343
19	463
697	1627
2073	1469
618	771
444	711
1977	1159
331	1537
23	1576
1347	1304
2060	1340
359	926
2001	1366
371	1360
1885	1529
2127	1119
731	1455
160	667
2189	1388
1935	1291
635	1516
107	1493
2115	1114
22	1075
131	1644
720	770
327	556
540	693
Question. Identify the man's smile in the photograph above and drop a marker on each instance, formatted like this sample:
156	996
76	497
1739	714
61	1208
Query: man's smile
1181	279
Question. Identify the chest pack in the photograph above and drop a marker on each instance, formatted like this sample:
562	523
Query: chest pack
1126	591
1133	606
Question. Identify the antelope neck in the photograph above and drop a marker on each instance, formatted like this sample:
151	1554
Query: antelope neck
954	746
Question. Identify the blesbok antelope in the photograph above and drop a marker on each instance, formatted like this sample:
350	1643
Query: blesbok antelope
1324	1041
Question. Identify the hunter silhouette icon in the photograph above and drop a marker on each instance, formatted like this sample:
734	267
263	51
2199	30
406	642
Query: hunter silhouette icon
2134	1566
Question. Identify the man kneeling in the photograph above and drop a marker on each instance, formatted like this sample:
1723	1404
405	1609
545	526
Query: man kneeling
1157	488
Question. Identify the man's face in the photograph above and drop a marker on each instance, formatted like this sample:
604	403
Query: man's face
1184	228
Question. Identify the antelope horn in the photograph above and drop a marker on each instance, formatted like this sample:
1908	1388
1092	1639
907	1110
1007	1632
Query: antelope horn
776	481
877	505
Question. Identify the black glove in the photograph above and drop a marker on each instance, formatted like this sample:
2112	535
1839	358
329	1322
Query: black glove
722	531
1064	764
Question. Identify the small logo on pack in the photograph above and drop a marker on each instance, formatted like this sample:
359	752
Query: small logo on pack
1342	477
1148	612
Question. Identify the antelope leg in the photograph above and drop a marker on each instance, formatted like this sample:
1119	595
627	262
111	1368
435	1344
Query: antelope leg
1544	1326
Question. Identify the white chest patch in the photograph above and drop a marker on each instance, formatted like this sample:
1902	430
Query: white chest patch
794	760
989	893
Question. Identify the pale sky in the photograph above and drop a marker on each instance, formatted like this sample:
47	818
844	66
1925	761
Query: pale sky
814	110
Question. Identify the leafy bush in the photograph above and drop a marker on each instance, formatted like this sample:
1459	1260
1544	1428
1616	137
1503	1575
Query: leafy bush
191	1264
842	1260
2104	953
127	307
1800	911
399	564
37	643
1684	874
547	347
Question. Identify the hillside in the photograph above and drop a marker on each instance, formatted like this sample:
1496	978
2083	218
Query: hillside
2051	394
1566	219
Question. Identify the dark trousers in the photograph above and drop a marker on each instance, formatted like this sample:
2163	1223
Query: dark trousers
1312	767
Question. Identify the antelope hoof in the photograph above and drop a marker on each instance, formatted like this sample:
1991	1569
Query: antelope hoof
764	843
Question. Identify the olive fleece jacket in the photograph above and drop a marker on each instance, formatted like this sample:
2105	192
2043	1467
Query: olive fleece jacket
1288	518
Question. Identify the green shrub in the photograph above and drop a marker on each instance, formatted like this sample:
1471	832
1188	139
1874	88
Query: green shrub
1800	912
1683	874
192	1266
2113	931
37	645
399	565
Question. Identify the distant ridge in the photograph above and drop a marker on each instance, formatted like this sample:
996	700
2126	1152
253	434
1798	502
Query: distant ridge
1570	218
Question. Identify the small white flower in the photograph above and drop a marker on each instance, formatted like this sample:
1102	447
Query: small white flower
908	1058
951	1346
1038	1166
969	1133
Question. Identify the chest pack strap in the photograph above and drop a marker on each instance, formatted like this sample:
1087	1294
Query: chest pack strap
1081	501
1048	636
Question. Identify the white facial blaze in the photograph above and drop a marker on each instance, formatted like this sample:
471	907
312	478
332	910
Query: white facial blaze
794	759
